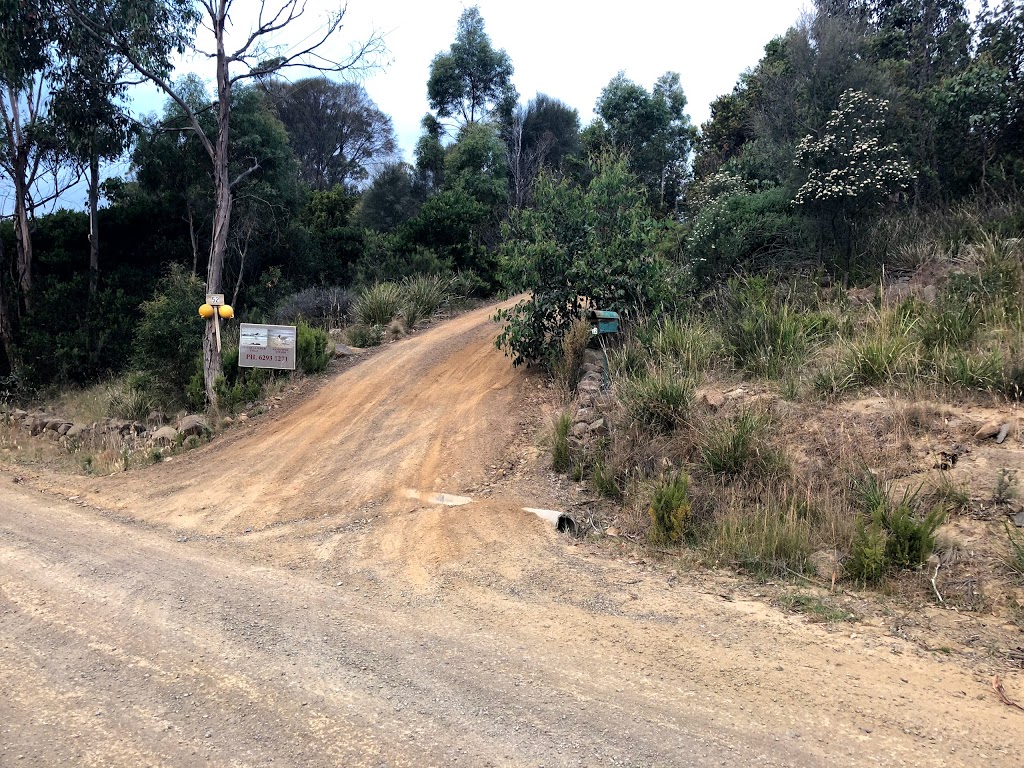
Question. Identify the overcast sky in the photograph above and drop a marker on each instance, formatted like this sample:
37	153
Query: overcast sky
568	49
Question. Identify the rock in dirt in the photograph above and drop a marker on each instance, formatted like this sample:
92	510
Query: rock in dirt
1004	430
989	429
712	398
591	384
826	563
343	350
77	430
193	425
165	435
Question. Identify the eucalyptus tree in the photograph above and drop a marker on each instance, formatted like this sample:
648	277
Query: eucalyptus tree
337	132
30	164
472	81
28	41
88	116
652	127
542	135
239	55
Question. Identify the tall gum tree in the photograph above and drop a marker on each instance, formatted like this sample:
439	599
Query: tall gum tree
472	80
238	55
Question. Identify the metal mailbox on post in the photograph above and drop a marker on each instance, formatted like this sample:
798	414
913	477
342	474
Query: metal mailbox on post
605	321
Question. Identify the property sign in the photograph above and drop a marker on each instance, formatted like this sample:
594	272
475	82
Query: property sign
215	299
267	346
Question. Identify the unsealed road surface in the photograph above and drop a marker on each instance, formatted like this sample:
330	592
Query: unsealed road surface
356	626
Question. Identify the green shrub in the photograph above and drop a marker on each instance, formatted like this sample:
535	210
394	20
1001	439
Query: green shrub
379	304
312	349
238	386
578	244
658	401
169	334
890	536
867	563
746	231
560	456
670	509
1005	489
363	336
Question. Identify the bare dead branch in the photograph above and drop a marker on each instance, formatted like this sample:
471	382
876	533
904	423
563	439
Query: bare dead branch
255	167
997	686
276	23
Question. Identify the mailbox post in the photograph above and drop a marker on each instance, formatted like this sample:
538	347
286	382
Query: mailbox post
604	322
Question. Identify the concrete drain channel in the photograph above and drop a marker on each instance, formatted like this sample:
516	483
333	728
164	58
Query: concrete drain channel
561	521
444	499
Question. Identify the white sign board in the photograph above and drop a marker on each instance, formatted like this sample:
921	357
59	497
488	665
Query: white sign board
267	346
215	299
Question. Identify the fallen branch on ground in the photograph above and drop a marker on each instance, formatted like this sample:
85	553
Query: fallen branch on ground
997	686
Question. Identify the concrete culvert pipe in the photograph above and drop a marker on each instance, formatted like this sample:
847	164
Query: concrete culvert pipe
562	522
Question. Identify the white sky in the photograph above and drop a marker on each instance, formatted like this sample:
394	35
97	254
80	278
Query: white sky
566	49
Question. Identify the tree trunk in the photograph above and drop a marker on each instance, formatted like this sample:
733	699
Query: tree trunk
94	224
212	367
7	362
94	252
23	235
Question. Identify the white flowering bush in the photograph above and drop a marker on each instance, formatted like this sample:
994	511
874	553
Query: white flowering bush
849	166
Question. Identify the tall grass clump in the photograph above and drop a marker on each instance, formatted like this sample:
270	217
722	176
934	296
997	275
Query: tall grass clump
886	353
670	509
772	538
568	361
658	401
130	403
691	346
949	324
767	336
379	304
561	459
422	296
1016	542
738	447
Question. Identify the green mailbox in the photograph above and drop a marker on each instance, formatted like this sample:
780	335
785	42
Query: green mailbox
605	321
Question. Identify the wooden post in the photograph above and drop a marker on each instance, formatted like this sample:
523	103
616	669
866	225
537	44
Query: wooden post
216	326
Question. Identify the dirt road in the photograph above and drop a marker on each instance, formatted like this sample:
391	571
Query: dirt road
279	597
